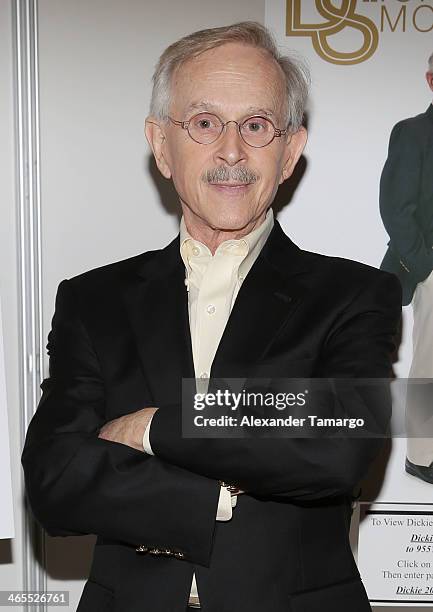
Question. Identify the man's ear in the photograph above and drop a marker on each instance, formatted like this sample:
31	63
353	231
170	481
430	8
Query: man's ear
154	132
429	79
295	147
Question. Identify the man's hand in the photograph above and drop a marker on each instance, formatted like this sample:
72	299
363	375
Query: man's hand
128	429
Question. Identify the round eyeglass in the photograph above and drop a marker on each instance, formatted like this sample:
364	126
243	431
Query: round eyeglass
206	128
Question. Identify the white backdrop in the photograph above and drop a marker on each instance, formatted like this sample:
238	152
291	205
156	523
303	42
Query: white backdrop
102	197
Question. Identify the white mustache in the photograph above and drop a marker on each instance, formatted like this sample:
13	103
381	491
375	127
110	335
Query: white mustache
222	174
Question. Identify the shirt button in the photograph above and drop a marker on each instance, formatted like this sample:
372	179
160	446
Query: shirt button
196	251
210	309
204	375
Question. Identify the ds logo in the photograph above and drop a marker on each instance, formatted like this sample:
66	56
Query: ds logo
335	19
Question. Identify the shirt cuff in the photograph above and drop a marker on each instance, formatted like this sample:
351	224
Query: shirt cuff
224	510
146	439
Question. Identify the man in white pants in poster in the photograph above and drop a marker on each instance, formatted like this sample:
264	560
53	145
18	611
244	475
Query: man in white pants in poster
406	206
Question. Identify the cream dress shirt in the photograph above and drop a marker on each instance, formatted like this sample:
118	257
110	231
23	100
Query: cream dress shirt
213	283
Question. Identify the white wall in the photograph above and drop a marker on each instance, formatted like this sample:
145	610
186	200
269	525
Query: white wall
99	198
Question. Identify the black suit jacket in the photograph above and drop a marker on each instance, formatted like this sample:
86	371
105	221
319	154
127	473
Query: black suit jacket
119	342
406	201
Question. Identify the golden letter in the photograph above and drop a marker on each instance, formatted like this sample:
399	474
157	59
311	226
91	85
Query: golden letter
402	13
336	19
415	13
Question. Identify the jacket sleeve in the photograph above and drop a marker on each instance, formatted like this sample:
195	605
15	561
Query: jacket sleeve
78	483
399	198
359	346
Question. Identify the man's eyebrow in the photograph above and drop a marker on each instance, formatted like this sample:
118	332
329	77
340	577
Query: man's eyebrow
209	107
199	106
254	110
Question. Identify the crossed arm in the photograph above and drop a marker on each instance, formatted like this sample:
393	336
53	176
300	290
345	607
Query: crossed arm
80	481
360	346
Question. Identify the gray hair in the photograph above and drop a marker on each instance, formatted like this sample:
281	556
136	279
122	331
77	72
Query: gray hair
295	72
430	63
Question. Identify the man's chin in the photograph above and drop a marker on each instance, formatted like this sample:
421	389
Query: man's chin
229	222
223	216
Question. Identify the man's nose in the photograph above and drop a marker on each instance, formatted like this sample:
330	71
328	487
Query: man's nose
230	147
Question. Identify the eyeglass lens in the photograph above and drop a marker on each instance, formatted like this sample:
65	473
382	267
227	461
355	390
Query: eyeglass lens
256	131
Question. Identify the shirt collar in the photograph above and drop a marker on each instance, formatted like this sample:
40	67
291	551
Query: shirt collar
248	246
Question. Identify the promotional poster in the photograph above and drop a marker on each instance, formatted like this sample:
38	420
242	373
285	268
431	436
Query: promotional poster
368	62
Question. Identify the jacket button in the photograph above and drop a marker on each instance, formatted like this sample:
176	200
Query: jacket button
142	548
179	555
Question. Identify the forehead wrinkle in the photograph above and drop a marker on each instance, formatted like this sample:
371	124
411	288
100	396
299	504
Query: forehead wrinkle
233	78
204	80
206	106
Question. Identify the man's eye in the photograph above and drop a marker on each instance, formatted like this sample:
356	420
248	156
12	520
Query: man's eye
204	124
255	126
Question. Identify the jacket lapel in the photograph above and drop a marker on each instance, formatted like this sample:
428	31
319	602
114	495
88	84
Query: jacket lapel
157	304
265	302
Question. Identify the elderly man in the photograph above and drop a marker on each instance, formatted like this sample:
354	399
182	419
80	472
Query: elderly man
406	206
232	296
